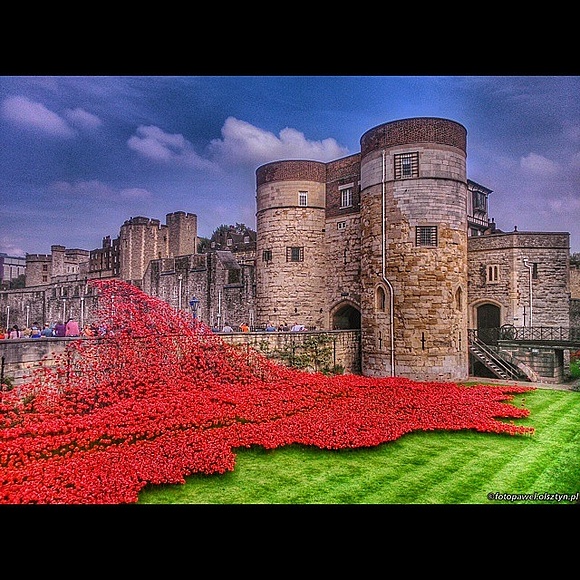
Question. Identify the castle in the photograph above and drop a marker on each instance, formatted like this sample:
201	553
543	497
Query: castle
394	241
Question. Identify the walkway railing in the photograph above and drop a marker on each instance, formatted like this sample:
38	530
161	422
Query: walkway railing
554	334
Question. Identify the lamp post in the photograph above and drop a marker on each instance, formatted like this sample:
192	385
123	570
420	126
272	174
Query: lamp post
194	303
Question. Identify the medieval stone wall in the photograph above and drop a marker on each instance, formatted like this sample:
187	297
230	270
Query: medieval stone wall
507	285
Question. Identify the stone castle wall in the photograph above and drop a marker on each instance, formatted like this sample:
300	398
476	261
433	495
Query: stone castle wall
511	289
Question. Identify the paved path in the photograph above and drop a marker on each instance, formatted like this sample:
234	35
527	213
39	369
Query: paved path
570	386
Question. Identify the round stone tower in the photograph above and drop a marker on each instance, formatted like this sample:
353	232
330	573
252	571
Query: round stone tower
414	250
290	255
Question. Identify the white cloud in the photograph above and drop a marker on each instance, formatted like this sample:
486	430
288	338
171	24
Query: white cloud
155	144
245	143
566	205
35	116
82	119
539	165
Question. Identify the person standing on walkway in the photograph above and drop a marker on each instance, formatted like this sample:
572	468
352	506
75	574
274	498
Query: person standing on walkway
60	329
72	328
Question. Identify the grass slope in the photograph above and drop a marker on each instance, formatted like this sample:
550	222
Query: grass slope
420	468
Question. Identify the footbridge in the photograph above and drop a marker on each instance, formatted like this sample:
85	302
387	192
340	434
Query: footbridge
538	354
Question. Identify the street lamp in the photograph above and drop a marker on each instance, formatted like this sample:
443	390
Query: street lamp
194	303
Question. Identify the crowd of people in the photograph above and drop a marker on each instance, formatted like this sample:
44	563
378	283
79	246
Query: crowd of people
270	327
58	328
71	328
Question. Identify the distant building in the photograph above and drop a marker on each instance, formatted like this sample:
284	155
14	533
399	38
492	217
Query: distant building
11	267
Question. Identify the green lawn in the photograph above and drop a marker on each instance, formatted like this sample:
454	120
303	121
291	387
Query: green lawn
420	468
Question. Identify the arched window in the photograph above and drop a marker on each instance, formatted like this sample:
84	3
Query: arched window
458	298
381	299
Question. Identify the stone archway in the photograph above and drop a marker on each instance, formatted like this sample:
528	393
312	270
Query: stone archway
346	317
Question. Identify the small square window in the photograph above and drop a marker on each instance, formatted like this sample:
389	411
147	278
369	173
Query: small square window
406	165
426	236
267	255
295	254
341	225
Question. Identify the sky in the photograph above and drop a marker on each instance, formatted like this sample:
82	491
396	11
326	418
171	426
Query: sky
79	155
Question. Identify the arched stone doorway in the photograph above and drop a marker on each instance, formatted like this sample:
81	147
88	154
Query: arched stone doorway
346	317
488	322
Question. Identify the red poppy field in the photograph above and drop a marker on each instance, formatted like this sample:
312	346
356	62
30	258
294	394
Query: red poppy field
158	398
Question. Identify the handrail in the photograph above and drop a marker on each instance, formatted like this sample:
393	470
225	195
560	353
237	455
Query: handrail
530	333
500	362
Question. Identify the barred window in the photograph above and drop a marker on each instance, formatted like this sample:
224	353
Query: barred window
295	253
267	255
406	165
426	236
302	198
346	197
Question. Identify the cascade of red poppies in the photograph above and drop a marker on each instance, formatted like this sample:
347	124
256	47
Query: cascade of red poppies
159	397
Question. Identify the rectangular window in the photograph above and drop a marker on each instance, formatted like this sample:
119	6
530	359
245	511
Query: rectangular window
45	267
229	242
341	225
233	276
426	236
492	273
346	197
479	201
267	256
406	165
535	270
303	198
295	254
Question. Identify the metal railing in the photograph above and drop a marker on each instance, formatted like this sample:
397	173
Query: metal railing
558	334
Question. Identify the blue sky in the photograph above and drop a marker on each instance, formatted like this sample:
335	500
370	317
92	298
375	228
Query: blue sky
79	155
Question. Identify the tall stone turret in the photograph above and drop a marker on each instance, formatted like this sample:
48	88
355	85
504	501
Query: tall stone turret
142	239
414	250
182	233
290	254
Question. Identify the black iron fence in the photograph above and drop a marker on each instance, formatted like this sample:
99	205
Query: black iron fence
548	334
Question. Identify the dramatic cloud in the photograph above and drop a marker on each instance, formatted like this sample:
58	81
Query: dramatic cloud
34	116
155	144
244	143
80	118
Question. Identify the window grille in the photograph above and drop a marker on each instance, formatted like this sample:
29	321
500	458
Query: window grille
295	254
267	255
302	198
406	165
426	236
